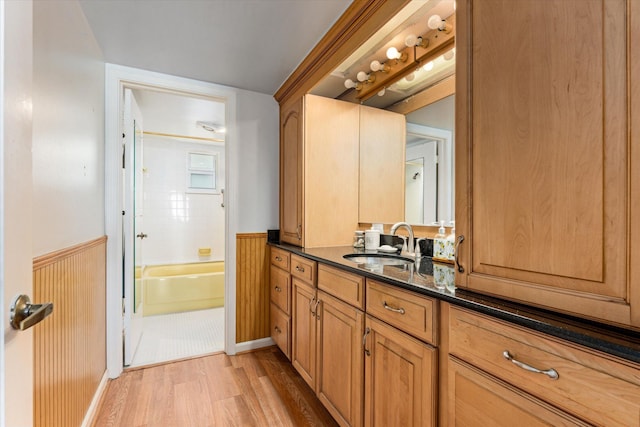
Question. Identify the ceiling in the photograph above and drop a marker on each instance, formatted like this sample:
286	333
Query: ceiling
247	44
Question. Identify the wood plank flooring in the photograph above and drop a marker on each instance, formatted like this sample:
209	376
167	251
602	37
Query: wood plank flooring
259	388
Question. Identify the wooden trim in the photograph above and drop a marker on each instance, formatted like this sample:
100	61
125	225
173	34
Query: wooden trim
173	135
633	28
252	287
70	345
54	257
356	25
435	93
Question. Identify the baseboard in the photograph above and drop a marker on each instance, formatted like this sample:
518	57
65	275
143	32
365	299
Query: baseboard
254	345
92	412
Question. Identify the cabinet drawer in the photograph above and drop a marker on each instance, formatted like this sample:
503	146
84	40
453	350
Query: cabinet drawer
280	289
281	330
303	269
409	312
346	286
593	386
280	258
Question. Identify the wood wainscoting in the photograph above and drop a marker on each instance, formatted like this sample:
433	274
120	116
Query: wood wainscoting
70	345
252	287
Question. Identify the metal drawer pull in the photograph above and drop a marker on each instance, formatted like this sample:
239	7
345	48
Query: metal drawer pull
551	373
300	269
278	289
459	240
278	330
315	309
364	341
395	310
310	304
278	258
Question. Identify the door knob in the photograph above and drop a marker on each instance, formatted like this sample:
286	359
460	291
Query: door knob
24	315
141	235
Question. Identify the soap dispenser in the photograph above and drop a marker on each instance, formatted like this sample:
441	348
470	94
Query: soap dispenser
440	244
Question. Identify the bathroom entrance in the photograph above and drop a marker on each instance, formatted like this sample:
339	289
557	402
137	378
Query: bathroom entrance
174	225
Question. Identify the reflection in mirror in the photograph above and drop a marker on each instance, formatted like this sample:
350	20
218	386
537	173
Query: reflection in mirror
429	180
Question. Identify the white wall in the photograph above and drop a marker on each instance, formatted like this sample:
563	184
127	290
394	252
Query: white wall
68	128
258	162
176	221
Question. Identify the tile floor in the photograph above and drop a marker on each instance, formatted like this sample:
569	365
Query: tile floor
180	335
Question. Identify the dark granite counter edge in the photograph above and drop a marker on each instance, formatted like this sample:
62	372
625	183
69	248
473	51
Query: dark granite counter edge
612	340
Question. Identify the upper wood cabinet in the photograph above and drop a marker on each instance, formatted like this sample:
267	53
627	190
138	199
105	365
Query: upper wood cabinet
382	160
318	171
341	163
544	195
291	173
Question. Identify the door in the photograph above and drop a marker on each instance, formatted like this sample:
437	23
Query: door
132	221
16	262
303	351
291	184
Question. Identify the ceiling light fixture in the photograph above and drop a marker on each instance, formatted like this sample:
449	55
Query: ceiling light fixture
211	127
365	77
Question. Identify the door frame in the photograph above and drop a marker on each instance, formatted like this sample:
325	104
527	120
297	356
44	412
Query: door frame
118	77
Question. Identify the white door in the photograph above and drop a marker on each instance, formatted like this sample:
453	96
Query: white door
16	262
132	220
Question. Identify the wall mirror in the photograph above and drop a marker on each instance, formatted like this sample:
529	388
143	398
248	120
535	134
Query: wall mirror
429	170
417	91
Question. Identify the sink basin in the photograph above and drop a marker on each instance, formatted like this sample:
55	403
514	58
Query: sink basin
378	259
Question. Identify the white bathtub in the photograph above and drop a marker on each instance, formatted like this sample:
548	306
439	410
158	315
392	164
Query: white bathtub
173	288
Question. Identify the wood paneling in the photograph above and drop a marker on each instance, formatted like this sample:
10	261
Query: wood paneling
252	287
70	345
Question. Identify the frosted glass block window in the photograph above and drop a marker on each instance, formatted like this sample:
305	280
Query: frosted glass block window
201	172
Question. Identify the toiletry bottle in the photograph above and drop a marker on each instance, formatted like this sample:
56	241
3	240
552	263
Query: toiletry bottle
450	244
440	243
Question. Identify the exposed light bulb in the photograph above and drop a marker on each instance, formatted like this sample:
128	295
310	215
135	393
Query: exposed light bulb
378	66
411	40
434	22
448	56
362	76
392	53
349	84
428	66
382	92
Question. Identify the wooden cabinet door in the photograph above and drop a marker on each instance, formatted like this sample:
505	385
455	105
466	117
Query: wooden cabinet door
291	173
400	378
477	399
303	352
340	382
382	163
542	152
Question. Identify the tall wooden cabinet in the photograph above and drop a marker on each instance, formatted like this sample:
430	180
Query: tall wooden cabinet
319	171
340	164
545	198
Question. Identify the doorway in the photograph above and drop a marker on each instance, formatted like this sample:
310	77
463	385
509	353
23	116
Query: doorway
117	79
174	226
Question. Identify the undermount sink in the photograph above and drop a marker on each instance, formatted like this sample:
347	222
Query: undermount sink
378	259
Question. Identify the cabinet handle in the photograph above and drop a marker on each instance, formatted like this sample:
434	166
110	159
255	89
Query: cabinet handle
299	231
551	373
395	310
278	289
278	258
278	330
315	309
300	269
367	331
459	240
310	304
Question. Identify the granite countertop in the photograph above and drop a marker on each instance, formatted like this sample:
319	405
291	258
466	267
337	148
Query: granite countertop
419	278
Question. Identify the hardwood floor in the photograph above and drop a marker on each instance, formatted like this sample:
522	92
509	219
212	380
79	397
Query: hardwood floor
260	388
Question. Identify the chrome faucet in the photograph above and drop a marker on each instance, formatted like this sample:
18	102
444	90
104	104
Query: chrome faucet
410	243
